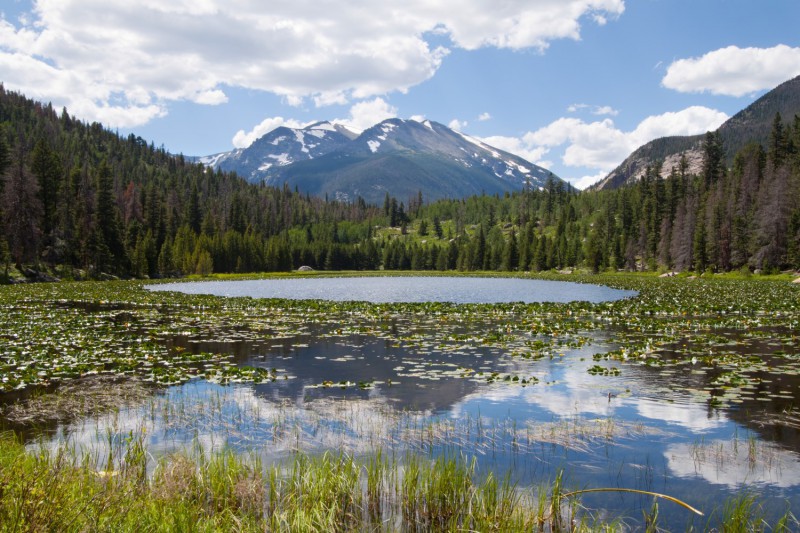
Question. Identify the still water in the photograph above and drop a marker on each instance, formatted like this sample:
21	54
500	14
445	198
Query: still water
461	290
496	388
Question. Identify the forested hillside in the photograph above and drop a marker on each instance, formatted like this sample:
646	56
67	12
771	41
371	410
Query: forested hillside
78	196
78	200
752	124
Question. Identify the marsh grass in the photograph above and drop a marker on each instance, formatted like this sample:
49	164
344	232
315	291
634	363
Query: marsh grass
191	490
64	490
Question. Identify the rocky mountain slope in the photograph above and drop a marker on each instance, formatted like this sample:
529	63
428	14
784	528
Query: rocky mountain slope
399	157
752	124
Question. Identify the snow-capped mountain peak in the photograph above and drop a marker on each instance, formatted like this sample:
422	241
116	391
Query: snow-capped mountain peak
397	156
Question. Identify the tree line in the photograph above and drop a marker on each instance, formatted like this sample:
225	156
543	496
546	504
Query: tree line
82	200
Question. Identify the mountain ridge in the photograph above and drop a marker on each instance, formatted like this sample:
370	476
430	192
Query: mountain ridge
395	156
751	124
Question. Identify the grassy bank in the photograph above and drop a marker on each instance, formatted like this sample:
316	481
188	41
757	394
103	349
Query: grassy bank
64	490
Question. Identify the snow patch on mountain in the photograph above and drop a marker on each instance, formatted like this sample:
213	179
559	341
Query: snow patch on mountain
213	160
374	145
281	159
524	170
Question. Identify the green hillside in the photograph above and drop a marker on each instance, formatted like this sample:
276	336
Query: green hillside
78	200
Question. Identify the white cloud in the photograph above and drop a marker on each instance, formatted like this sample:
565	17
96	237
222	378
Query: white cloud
600	146
122	61
605	110
517	146
293	100
368	113
515	24
483	117
689	121
243	139
587	181
594	110
457	125
330	98
734	71
212	97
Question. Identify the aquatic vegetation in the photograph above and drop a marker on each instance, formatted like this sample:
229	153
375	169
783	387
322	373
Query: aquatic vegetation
728	345
66	490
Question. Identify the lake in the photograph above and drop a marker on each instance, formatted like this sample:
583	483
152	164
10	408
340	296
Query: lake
687	390
392	289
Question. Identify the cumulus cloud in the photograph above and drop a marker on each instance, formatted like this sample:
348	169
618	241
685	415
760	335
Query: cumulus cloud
517	146
483	117
600	145
243	139
368	113
457	125
734	71
605	110
514	24
124	62
590	179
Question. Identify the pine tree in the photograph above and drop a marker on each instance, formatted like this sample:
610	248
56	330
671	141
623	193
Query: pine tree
22	210
46	166
777	142
5	153
511	253
109	249
437	228
713	158
478	258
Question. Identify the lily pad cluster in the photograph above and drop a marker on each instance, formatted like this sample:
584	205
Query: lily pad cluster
730	340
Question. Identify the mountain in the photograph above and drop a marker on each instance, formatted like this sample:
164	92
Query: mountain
401	157
752	124
279	148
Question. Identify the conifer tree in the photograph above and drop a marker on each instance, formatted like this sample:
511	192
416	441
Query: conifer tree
109	249
22	209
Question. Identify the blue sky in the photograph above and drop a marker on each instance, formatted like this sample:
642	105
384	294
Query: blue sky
573	85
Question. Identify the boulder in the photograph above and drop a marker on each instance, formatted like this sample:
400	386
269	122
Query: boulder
305	268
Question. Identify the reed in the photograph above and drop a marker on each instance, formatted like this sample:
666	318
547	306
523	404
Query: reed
194	490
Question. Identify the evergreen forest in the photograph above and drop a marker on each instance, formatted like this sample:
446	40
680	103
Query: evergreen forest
80	201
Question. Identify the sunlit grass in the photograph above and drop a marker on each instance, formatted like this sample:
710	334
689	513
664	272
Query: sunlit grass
62	490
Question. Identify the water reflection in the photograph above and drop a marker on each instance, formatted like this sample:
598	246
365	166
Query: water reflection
697	418
395	391
735	463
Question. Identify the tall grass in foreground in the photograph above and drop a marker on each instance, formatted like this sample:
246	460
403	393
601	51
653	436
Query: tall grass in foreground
64	490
